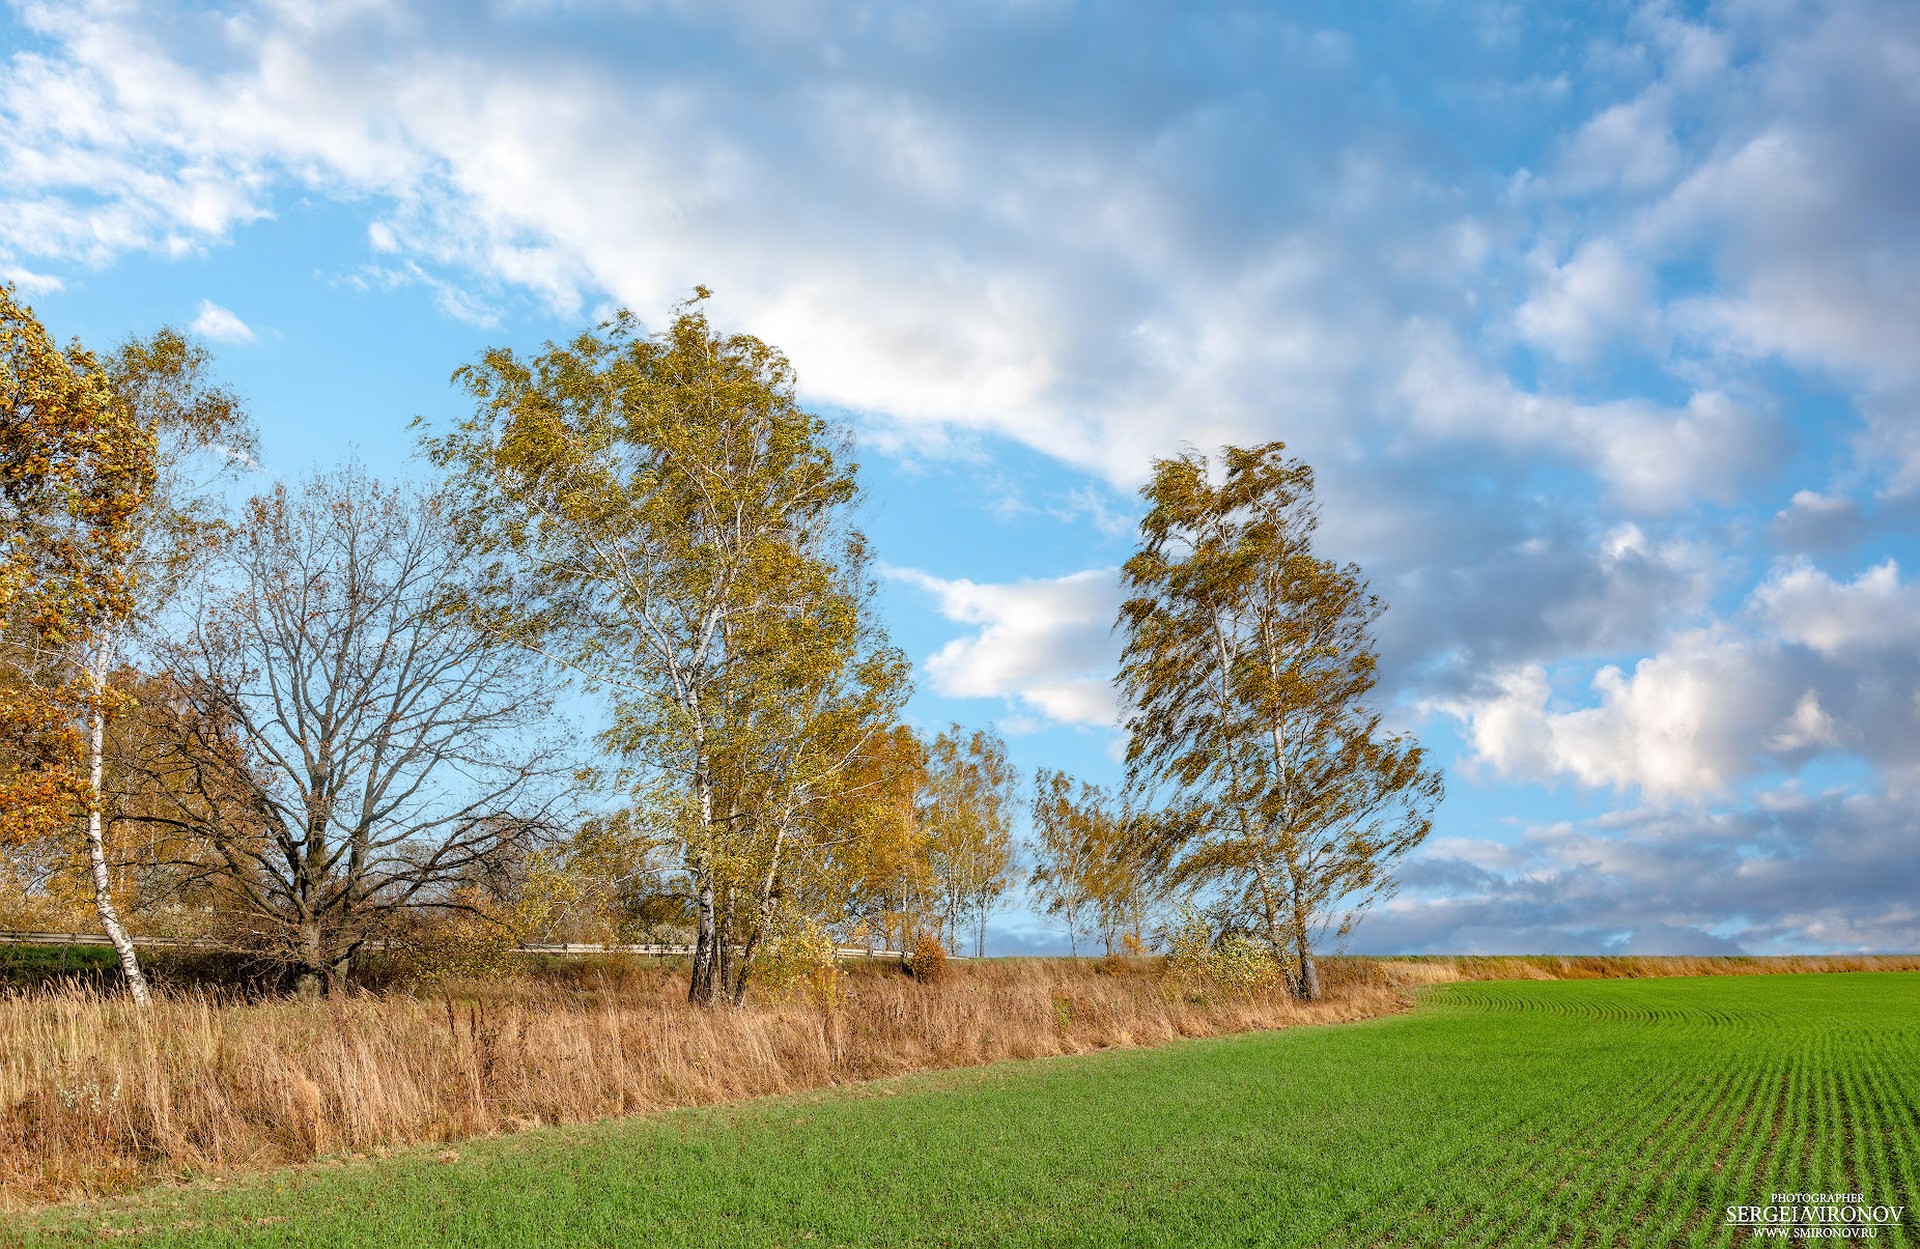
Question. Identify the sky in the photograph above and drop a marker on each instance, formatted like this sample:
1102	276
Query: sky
1598	323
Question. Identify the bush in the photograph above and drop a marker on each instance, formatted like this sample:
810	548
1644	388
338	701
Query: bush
928	962
1240	962
475	944
800	954
1234	962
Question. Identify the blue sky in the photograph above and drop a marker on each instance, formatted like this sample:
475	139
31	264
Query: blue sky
1598	323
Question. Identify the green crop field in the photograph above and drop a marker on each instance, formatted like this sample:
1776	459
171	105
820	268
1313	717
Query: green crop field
1620	1112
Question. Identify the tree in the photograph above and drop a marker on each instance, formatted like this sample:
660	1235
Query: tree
1062	878
106	469
76	467
346	741
668	523
965	816
1246	665
1090	866
882	856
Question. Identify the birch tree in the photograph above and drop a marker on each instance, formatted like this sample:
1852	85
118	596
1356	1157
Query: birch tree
111	470
967	824
1062	879
76	468
1090	862
668	523
1246	667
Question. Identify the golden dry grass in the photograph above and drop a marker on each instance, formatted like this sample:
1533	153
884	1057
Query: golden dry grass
96	1095
1443	969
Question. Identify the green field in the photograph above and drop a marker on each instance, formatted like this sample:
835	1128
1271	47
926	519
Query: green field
1621	1112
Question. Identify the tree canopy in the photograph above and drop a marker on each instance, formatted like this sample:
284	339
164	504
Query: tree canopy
1246	667
666	521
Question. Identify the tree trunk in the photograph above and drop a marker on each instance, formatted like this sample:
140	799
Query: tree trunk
97	850
1309	986
722	944
312	965
705	949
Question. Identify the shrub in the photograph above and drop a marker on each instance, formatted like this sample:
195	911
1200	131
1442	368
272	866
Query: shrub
799	954
928	962
459	945
1235	961
1189	945
1240	962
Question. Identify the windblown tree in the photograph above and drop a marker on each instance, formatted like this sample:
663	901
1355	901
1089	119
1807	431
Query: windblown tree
347	744
1246	667
108	467
966	817
76	468
667	522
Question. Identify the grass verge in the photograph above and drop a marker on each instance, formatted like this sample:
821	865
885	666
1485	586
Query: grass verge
1532	1113
98	1096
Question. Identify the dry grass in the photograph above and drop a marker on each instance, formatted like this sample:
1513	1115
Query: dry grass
96	1095
1442	969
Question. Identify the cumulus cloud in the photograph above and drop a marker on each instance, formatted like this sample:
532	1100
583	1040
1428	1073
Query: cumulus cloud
1653	457
1578	307
1792	873
1817	522
222	326
1045	645
1817	664
30	283
1874	612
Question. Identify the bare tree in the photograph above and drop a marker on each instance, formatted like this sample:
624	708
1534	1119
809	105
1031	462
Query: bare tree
347	742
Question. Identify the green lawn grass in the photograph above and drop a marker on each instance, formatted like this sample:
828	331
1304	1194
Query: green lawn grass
1621	1112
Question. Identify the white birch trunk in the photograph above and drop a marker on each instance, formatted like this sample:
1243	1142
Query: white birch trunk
97	842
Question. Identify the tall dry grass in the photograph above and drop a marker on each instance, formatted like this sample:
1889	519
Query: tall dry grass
97	1095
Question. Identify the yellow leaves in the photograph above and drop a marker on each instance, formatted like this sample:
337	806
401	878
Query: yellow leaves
75	467
1247	663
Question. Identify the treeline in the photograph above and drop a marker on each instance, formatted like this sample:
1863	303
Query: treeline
334	719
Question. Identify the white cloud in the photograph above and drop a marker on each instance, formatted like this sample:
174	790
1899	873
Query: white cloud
1046	645
1653	458
1675	727
1815	521
1628	145
1872	612
222	326
1578	307
30	283
1820	665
